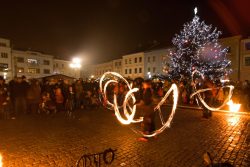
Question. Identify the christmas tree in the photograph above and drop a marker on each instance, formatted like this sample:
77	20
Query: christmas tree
197	48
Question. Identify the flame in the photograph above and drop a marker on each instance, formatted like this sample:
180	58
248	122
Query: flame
1	163
129	110
233	107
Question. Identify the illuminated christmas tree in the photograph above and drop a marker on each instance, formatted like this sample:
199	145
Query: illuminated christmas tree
197	48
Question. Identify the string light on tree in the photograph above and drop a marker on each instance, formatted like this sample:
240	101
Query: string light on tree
197	48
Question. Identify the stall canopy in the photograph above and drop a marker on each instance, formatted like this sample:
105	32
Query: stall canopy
57	77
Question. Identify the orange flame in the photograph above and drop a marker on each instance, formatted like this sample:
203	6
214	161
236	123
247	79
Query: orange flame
233	107
1	163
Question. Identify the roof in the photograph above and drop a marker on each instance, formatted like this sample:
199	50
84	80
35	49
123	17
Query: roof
57	76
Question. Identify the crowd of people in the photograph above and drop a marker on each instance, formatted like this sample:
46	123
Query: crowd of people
22	96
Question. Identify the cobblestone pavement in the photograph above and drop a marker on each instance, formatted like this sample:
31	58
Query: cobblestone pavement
35	140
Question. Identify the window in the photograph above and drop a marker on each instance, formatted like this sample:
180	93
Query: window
140	70
32	61
130	71
140	59
46	71
3	44
126	71
4	55
20	69
135	70
148	59
247	45
126	61
148	69
33	70
46	62
247	61
153	69
3	67
20	59
136	60
129	61
153	58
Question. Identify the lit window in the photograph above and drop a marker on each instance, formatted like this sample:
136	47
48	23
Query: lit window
33	70
20	69
3	67
32	61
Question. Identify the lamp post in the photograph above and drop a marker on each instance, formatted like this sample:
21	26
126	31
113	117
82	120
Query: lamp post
76	64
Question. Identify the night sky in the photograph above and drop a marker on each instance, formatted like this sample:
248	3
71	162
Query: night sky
102	30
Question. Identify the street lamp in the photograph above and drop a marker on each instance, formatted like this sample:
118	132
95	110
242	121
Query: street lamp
76	64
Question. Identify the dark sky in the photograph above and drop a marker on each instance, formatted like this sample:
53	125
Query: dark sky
102	30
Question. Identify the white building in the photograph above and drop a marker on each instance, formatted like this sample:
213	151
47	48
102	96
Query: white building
155	60
133	65
117	66
31	64
100	69
5	59
244	62
63	67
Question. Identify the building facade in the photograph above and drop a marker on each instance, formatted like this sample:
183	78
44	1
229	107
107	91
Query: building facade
117	66
244	62
5	59
233	45
31	64
154	62
133	65
63	67
100	69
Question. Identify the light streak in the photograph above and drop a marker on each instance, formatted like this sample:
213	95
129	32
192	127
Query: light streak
1	161
197	93
233	107
130	114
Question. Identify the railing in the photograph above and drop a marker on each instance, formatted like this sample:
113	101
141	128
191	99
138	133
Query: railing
97	159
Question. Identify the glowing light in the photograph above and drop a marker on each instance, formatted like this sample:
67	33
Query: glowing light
1	161
130	114
195	10
233	107
209	89
76	63
233	120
